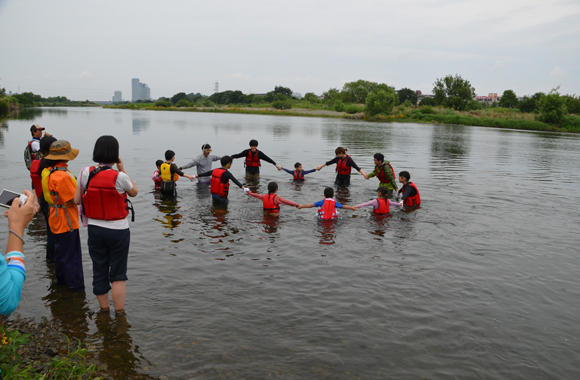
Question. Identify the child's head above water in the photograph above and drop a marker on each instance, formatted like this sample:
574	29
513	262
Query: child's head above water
298	166
383	191
169	154
158	163
272	187
328	192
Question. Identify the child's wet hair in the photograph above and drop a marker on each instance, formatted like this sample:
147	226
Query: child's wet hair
405	174
272	187
296	165
329	192
158	163
383	190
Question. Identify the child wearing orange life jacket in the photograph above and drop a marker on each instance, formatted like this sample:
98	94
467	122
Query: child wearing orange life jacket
344	165
157	175
328	206
410	192
380	204
272	201
298	173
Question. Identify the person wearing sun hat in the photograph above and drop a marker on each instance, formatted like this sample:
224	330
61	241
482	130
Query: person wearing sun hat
59	187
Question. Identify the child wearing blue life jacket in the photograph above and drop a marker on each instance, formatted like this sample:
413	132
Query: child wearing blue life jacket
298	173
328	206
381	205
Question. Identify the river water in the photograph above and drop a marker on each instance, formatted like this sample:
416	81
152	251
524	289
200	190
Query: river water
481	282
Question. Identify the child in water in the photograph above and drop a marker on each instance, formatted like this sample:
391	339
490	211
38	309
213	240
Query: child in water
157	175
380	204
298	173
327	206
272	201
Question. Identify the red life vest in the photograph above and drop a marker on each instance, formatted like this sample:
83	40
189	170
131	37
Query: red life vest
382	176
299	176
36	178
253	160
102	200
383	207
415	200
328	210
269	205
341	167
217	187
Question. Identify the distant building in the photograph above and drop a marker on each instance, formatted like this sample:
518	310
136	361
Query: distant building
118	97
419	93
140	91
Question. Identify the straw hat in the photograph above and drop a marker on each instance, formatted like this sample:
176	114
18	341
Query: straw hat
61	150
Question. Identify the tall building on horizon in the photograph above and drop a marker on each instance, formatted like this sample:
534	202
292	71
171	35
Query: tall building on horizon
140	91
118	97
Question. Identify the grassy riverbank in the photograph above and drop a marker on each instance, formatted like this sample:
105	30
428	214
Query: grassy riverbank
491	117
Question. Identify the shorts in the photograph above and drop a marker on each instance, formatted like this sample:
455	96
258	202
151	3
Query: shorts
109	251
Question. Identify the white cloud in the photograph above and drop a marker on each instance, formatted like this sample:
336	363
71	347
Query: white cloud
558	73
498	65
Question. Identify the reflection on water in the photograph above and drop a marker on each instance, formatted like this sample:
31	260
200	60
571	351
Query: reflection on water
450	147
327	230
169	208
140	124
71	309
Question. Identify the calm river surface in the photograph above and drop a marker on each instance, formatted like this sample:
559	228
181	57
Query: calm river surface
481	282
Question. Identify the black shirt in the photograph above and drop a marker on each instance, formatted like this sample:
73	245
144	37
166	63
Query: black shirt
261	156
349	162
224	178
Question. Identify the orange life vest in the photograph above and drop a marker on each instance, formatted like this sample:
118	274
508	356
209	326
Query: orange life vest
341	167
217	187
299	175
328	210
415	200
269	204
383	207
253	160
102	200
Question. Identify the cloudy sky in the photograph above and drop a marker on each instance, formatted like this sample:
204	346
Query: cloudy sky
88	49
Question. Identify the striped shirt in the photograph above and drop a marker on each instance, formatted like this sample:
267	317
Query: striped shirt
12	276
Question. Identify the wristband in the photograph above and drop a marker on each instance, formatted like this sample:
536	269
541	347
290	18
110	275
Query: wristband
18	236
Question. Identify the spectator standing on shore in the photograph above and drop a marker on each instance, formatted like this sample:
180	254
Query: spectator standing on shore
108	227
202	163
12	265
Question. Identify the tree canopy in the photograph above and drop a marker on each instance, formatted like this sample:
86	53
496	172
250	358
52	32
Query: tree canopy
357	92
381	101
552	108
509	99
453	92
530	104
407	94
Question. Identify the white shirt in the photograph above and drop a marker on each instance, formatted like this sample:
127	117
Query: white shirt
35	146
122	184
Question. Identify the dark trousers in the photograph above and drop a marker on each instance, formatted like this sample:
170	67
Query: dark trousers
68	260
252	172
342	179
219	202
168	188
49	234
109	250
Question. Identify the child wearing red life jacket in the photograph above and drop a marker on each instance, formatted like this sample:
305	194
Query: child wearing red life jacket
344	165
328	206
157	175
298	173
411	197
380	204
272	201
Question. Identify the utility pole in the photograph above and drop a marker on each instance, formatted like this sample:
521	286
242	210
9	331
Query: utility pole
217	86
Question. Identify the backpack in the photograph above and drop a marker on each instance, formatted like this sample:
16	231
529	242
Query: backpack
28	155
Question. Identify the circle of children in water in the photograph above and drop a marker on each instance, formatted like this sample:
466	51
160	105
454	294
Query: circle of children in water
98	199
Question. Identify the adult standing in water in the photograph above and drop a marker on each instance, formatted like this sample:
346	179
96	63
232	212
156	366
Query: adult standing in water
253	157
220	182
385	174
344	164
203	163
36	176
59	187
103	192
